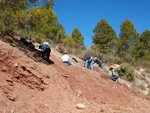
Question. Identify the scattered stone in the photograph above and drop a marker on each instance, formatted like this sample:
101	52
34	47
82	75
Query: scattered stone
16	65
66	76
102	110
80	106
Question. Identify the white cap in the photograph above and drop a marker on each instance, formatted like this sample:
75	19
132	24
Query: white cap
46	44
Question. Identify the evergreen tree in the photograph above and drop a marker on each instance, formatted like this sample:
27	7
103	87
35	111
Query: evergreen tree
138	51
127	39
31	18
12	14
78	38
69	42
104	37
61	33
145	45
42	20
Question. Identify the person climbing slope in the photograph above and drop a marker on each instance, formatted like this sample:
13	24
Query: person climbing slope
46	50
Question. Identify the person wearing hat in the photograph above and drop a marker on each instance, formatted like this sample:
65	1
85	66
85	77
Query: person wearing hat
96	60
65	58
114	76
46	50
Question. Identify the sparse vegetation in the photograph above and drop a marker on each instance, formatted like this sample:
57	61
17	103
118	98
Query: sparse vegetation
142	87
148	93
126	72
148	86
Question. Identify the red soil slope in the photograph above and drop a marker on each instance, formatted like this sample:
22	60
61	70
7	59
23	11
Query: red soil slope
30	86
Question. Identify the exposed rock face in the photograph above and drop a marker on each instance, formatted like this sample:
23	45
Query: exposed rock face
27	85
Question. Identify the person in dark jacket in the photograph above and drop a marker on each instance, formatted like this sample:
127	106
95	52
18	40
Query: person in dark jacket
88	59
96	60
114	76
46	50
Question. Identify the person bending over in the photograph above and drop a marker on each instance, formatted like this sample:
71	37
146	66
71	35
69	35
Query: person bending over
96	60
88	59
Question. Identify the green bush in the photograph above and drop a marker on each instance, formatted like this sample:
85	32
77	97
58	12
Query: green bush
126	72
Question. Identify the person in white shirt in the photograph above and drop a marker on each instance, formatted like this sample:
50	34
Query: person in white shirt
65	58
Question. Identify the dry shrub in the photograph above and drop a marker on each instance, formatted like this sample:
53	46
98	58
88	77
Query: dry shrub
148	93
142	87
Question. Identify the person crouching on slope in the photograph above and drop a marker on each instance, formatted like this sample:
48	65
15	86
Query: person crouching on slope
65	58
114	76
96	60
46	49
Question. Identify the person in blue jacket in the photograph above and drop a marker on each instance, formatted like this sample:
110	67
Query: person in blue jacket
46	50
114	76
88	59
96	60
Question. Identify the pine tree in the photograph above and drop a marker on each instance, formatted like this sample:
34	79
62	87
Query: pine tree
145	45
127	39
69	42
31	18
12	14
138	51
104	37
78	38
42	20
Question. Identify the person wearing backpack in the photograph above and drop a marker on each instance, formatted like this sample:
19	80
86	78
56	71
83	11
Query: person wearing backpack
88	59
114	76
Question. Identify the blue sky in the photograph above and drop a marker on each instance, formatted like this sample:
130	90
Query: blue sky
85	14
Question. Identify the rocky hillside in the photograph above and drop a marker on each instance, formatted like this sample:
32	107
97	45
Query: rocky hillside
29	85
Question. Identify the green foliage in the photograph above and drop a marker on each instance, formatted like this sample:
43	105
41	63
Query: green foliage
138	51
145	44
142	64
69	42
129	59
104	37
75	41
31	22
13	14
126	41
148	92
126	72
77	37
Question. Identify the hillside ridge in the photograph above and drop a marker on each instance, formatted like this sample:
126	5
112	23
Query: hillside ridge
29	84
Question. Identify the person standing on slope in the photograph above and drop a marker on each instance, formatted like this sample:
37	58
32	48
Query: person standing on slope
114	76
